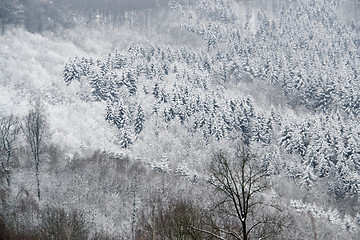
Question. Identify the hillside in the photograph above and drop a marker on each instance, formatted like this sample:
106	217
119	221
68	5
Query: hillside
139	106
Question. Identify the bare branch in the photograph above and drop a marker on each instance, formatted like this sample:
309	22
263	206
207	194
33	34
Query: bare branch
207	232
242	184
35	127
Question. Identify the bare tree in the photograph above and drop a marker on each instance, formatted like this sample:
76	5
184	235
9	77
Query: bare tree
174	218
35	126
9	128
241	186
57	224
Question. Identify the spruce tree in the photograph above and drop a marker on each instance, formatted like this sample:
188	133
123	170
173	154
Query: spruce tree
139	120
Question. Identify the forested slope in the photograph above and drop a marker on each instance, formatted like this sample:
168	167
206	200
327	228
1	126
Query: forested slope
159	104
297	69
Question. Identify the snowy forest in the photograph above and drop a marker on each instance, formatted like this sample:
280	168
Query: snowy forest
158	119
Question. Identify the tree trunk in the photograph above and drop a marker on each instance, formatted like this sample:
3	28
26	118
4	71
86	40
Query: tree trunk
8	167
154	224
313	225
38	179
133	220
244	230
8	179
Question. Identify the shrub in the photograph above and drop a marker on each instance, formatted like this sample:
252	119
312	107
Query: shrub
57	224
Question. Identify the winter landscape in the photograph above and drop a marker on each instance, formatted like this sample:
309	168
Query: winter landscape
184	119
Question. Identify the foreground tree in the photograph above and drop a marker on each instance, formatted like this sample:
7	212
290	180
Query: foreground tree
9	128
242	201
35	126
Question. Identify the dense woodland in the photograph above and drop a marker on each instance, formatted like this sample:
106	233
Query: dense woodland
208	119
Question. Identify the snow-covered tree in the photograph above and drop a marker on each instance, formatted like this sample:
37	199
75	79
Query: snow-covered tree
139	120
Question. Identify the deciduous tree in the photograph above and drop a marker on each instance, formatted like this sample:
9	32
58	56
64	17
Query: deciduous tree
241	185
35	126
9	128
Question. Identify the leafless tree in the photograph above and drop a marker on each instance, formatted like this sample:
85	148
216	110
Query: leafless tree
241	185
174	218
57	224
35	126
9	128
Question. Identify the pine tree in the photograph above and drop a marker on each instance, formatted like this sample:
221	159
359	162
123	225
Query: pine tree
139	120
126	139
103	68
113	89
166	69
200	121
163	97
119	119
70	73
131	83
262	130
109	116
97	88
218	129
167	115
156	90
119	61
286	138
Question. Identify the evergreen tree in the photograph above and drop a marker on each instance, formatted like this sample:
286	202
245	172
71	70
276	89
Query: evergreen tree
98	90
163	97
119	119
126	139
139	120
109	116
131	83
156	90
70	73
113	89
200	122
119	61
286	138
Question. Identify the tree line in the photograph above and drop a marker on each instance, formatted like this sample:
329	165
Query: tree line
40	16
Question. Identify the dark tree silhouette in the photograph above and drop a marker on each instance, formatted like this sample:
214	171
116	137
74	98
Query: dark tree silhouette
9	128
35	126
241	185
